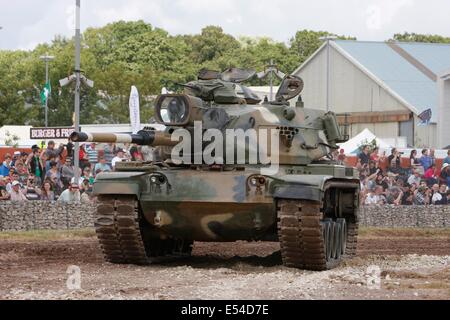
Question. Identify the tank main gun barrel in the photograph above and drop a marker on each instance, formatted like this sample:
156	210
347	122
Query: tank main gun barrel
143	138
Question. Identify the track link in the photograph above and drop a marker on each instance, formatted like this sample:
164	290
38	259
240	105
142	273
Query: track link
301	231
119	228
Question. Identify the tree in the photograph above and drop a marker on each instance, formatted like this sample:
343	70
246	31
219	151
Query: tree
211	45
414	37
306	42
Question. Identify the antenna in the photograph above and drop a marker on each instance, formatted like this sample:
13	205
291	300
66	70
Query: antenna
271	70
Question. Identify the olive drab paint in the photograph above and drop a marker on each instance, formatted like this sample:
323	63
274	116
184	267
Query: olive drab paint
232	168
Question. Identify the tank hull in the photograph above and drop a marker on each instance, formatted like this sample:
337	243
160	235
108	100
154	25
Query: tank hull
211	206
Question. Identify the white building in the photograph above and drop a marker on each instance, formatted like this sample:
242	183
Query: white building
382	86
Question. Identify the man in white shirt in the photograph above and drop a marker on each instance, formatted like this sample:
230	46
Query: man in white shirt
17	194
71	195
414	178
120	156
375	198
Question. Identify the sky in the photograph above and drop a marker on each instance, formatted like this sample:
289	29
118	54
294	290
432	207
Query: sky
26	23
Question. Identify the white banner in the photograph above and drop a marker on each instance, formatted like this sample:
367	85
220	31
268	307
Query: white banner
135	118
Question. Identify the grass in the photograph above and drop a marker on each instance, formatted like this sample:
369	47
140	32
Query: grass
48	234
404	233
363	233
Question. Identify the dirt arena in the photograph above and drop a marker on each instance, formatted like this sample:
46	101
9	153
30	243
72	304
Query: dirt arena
400	264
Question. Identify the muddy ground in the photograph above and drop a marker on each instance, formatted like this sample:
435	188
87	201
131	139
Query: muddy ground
411	265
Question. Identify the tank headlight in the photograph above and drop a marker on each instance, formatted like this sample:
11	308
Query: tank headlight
173	110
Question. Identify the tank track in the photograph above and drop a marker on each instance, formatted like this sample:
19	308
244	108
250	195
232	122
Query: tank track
123	234
305	236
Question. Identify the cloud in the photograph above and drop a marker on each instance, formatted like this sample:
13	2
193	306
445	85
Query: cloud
279	19
384	12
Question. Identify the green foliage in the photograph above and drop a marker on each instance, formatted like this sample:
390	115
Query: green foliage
122	54
306	42
371	144
414	37
11	140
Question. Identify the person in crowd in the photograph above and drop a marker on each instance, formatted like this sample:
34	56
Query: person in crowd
92	152
376	197
444	192
22	171
72	194
408	195
6	166
447	159
430	176
4	195
364	157
88	176
436	197
50	160
394	158
80	180
32	192
35	165
51	152
394	195
17	193
15	158
374	156
120	156
373	167
85	186
46	193
394	168
54	176
414	161
66	173
8	183
422	196
433	156
426	160
109	151
102	166
341	157
84	157
414	178
136	153
444	176
24	157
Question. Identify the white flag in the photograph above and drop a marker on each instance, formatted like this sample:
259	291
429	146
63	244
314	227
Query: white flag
135	117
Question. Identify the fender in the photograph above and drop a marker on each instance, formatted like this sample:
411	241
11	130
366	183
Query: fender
128	183
302	187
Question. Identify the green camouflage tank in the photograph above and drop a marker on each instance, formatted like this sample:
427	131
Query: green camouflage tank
232	168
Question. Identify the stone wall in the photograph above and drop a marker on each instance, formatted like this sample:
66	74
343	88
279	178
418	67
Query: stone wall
405	216
34	215
44	215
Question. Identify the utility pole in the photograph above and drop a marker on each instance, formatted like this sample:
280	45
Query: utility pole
77	91
78	78
328	38
46	59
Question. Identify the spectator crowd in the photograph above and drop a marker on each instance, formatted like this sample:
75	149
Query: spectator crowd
385	181
49	174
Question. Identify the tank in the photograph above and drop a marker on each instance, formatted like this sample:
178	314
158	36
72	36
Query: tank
230	168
